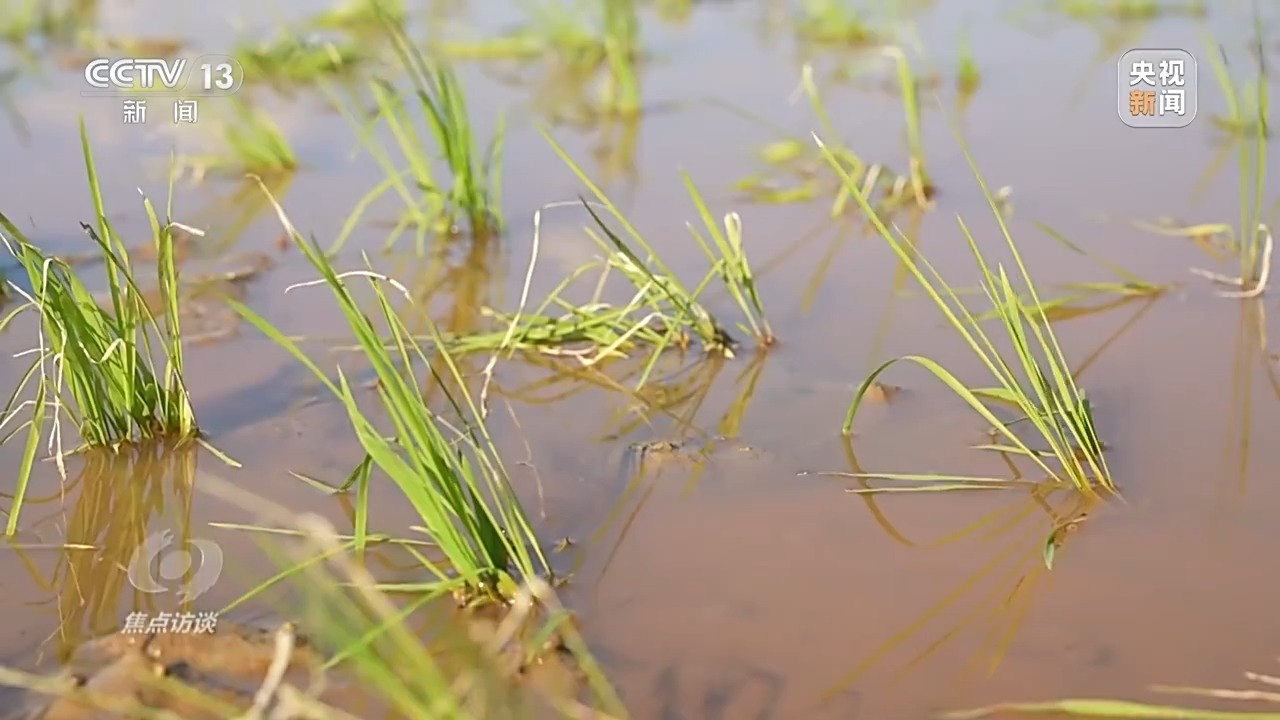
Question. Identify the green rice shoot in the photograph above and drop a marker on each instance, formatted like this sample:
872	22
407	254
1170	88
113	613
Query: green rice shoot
471	198
96	369
453	476
1034	377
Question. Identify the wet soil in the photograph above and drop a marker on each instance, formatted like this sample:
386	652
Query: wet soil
117	675
224	669
741	589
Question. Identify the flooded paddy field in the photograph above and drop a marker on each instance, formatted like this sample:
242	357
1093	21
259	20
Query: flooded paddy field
706	520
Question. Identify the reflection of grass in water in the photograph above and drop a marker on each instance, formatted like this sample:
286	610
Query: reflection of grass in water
564	379
682	402
1250	351
119	493
463	273
1030	530
228	216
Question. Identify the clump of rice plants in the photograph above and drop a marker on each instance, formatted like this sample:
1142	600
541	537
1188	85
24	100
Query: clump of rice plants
968	74
921	188
356	15
663	313
1129	10
472	195
802	164
1034	377
455	480
661	290
22	21
290	61
1246	114
353	613
478	663
255	144
577	46
832	22
95	367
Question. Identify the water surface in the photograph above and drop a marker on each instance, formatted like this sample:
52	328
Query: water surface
747	591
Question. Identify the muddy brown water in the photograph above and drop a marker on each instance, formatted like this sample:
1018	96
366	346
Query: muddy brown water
747	591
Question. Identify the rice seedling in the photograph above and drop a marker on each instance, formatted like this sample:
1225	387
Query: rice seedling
832	22
20	19
95	367
591	333
662	292
621	93
803	164
289	60
576	47
921	188
479	680
477	662
968	75
1129	9
1245	114
1252	241
432	206
23	22
676	12
359	15
454	478
255	144
662	313
117	495
1034	376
